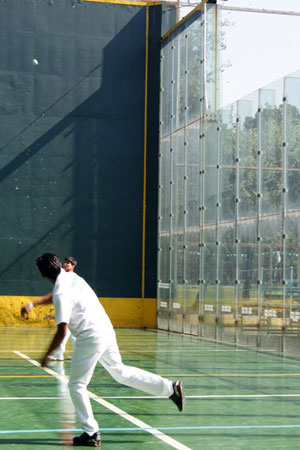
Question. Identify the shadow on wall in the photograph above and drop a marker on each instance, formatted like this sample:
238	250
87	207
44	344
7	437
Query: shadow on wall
72	178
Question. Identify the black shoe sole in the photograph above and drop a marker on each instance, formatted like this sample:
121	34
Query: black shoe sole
179	400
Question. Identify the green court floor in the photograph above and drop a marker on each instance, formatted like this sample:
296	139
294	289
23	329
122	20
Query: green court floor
237	397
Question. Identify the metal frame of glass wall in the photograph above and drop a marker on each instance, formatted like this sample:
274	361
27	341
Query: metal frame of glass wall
229	229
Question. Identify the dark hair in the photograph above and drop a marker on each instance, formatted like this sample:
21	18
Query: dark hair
49	265
72	260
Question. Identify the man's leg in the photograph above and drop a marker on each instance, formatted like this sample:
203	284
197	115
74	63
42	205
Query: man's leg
132	376
84	360
138	378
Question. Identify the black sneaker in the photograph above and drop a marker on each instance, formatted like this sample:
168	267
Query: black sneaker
178	397
86	440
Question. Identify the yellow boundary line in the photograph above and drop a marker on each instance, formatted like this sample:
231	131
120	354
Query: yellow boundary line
184	19
125	2
26	376
182	375
145	155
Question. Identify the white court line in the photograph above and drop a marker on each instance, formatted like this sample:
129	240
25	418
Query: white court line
46	369
169	351
185	350
236	396
139	423
32	398
243	396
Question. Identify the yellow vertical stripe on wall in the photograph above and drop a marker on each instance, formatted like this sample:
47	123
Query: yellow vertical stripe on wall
145	155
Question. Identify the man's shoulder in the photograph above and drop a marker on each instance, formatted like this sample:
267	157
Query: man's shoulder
63	279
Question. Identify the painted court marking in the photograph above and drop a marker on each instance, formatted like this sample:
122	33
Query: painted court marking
150	430
169	375
25	376
142	350
186	350
181	375
32	398
140	397
139	423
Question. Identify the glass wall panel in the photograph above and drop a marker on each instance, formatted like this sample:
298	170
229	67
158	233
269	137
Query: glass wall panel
229	209
177	244
292	273
193	167
210	274
273	304
211	58
247	287
179	80
227	276
192	221
248	161
164	236
166	77
211	173
183	107
176	285
177	180
292	93
228	192
191	285
227	158
271	144
163	306
164	185
194	73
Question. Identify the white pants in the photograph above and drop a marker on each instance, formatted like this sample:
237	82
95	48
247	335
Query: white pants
84	359
62	346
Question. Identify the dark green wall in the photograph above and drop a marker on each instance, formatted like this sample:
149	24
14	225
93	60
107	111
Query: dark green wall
72	142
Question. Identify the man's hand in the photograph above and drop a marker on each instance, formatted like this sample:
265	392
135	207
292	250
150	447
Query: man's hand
26	310
44	361
46	300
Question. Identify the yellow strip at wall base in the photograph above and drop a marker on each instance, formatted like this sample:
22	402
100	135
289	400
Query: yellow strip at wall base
123	312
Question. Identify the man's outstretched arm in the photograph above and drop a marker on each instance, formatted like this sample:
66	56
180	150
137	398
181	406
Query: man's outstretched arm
61	332
46	300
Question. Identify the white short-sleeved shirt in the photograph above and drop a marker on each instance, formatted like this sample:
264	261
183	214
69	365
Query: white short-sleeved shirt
76	304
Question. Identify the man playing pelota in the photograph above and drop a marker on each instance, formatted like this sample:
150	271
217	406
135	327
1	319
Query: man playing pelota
78	308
